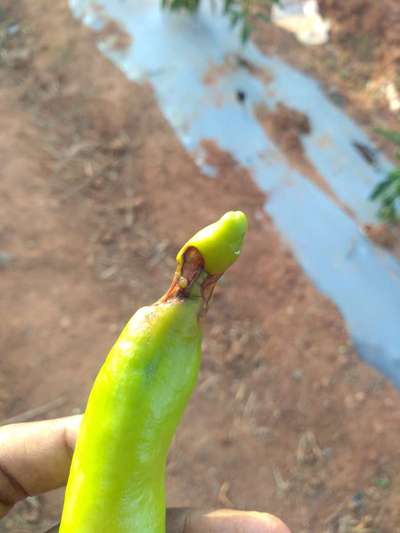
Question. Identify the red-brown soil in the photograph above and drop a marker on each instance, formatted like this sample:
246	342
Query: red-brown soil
97	195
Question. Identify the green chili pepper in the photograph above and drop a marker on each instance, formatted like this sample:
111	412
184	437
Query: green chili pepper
117	478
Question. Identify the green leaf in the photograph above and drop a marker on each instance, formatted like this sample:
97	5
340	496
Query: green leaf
174	5
394	175
264	17
383	483
228	5
234	17
390	135
238	11
245	32
379	189
388	214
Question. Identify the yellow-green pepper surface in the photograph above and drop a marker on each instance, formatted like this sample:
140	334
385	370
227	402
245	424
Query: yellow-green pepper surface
117	477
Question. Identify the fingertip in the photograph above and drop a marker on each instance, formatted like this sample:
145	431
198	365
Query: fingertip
227	520
271	523
71	425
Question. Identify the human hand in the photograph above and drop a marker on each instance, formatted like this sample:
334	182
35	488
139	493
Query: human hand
35	457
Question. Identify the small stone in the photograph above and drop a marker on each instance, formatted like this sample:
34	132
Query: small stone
119	144
337	97
327	453
325	382
373	493
349	402
65	322
19	57
241	392
6	259
31	510
107	237
297	374
360	396
308	451
345	524
368	520
342	360
98	183
108	273
276	413
241	96
12	29
263	431
357	501
388	402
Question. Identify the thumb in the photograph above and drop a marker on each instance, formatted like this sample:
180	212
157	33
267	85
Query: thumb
186	520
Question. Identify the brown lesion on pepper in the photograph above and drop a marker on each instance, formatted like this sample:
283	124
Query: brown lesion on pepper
207	289
189	274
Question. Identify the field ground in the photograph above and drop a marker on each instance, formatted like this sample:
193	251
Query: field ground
96	197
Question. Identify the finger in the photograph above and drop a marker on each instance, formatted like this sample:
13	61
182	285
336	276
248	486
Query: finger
35	457
185	520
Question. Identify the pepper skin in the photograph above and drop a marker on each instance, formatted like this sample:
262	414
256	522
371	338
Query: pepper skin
219	243
117	478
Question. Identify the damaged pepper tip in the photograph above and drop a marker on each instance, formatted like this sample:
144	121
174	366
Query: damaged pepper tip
206	256
219	244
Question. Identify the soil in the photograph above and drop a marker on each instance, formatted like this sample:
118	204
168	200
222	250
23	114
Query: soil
286	127
97	195
354	66
369	29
